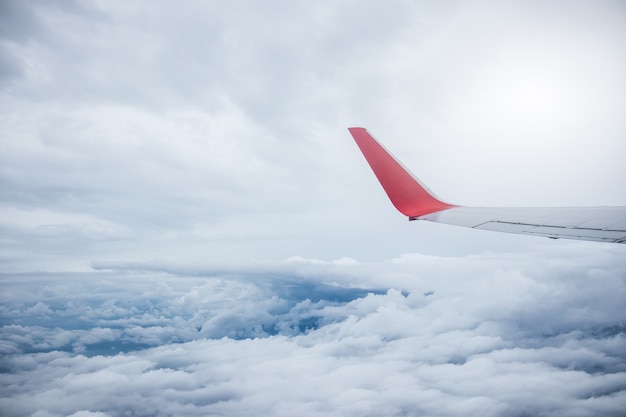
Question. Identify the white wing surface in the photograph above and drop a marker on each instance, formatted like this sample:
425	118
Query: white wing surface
417	202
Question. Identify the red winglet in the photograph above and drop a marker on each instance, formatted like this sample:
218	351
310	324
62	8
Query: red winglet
405	191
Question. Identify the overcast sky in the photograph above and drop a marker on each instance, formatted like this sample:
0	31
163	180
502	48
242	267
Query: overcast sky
177	178
140	130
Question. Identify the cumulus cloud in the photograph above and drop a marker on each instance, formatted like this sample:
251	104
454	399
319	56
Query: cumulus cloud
535	333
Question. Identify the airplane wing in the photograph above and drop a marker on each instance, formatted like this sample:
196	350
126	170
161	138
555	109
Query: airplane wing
417	202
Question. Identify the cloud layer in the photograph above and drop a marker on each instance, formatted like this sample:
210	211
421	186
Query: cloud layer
538	333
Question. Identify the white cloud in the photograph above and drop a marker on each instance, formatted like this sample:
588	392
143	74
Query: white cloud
537	332
84	413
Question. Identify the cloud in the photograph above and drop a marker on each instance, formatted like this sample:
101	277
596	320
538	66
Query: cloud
539	332
221	128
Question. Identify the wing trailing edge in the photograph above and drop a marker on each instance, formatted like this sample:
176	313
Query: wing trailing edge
417	202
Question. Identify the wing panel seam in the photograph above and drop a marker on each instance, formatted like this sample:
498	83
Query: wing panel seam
553	226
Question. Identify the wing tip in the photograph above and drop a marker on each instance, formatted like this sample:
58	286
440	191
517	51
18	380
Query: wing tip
405	191
356	129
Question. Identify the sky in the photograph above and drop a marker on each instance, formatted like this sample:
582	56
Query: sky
187	228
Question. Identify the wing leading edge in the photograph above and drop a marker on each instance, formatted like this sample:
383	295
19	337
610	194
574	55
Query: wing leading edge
417	202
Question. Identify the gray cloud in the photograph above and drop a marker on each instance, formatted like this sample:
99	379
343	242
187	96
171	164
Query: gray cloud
221	128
